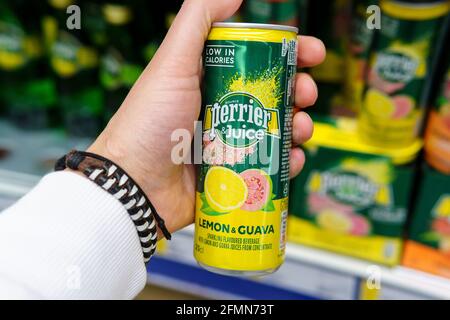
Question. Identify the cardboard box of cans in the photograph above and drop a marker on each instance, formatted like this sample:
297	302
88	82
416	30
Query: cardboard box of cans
352	198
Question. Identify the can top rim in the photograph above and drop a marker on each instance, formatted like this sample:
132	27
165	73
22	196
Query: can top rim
255	26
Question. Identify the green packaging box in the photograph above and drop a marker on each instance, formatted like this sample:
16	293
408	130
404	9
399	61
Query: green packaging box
351	198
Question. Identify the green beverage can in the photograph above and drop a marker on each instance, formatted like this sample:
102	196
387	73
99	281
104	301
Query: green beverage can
120	65
27	93
401	60
243	182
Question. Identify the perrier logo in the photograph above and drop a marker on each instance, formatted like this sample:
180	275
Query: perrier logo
396	66
239	119
349	188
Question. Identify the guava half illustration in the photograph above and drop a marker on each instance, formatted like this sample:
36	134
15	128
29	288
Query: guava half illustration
447	88
445	115
318	203
403	106
259	187
441	226
356	49
360	226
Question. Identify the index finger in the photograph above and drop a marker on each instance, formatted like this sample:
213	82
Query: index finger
311	51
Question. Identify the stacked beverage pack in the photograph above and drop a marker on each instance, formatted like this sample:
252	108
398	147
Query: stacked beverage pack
428	244
355	194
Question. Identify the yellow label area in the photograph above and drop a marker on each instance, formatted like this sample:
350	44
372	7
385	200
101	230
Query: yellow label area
344	136
354	83
442	208
33	47
50	30
250	34
61	4
117	14
162	246
30	48
385	250
367	293
330	70
12	60
414	11
241	240
86	58
62	67
382	130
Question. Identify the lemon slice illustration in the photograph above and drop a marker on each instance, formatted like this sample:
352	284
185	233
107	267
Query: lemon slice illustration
379	104
225	190
334	221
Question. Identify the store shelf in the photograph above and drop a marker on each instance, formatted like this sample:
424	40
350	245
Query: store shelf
399	277
308	273
316	273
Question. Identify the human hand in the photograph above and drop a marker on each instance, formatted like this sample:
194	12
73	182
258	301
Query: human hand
167	97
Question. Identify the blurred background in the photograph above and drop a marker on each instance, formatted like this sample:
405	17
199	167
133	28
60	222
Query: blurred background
370	213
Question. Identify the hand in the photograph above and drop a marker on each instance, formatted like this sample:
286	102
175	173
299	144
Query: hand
167	97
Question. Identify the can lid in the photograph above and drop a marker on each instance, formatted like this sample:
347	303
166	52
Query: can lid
341	134
245	25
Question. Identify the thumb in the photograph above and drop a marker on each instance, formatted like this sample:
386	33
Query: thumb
189	30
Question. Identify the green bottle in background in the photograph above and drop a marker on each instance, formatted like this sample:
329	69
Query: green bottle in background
120	63
331	24
12	55
28	94
74	61
152	25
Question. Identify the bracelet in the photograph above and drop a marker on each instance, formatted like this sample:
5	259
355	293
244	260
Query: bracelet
115	181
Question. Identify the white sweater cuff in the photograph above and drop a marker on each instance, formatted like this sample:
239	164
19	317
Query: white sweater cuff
69	239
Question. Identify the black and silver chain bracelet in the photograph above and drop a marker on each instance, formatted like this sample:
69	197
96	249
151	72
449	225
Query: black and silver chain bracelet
118	183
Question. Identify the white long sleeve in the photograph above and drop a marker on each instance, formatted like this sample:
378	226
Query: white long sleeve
69	239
